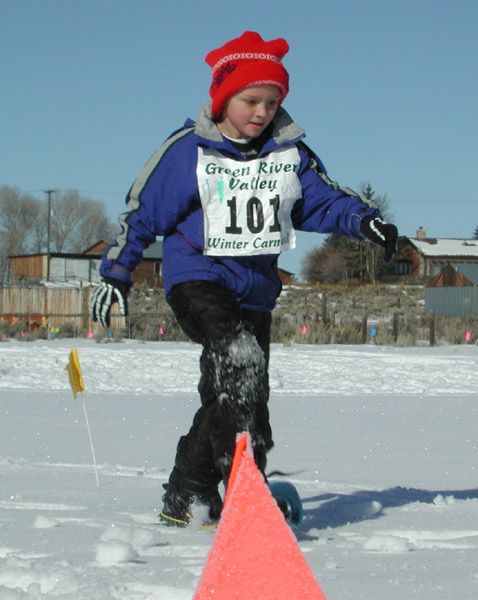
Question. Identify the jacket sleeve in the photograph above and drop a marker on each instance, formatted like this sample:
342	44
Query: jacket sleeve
325	206
158	199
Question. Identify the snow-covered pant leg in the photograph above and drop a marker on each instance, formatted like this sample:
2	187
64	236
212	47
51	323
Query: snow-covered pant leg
234	390
234	386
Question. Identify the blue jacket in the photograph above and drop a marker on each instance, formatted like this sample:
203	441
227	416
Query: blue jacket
167	200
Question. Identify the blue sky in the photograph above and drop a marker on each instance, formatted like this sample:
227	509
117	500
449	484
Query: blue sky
386	91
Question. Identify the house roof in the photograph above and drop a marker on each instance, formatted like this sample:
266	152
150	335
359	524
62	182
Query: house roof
154	251
97	248
470	271
446	247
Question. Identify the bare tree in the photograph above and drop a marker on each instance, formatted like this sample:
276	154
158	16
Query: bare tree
333	267
311	267
93	226
77	222
19	216
338	259
344	259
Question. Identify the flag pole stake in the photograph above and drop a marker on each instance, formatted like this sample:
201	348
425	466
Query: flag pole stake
92	446
77	385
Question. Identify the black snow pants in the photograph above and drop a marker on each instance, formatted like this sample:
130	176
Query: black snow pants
234	384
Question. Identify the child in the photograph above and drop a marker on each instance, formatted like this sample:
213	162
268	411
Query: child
227	192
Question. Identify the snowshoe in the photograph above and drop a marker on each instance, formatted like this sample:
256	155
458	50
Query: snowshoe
177	504
288	500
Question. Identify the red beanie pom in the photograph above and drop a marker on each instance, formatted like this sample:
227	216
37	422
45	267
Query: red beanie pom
245	61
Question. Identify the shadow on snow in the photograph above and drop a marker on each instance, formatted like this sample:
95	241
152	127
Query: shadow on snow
336	510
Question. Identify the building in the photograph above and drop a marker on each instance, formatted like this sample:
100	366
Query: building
454	292
58	267
425	257
456	275
286	277
450	268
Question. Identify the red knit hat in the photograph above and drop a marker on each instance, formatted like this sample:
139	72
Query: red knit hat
245	61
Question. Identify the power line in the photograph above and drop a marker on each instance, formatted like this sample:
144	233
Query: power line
79	191
434	202
48	235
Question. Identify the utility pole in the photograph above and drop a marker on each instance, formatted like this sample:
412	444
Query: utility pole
48	233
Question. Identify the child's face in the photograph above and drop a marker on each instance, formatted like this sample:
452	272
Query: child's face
249	112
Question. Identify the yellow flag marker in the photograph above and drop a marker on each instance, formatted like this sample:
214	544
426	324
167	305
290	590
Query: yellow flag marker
74	373
77	385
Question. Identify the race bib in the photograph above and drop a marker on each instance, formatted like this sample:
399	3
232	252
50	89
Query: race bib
247	204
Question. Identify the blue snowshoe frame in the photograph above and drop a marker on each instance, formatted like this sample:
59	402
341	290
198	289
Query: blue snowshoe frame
287	492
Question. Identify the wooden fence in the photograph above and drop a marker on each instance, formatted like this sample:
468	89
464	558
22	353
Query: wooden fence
41	306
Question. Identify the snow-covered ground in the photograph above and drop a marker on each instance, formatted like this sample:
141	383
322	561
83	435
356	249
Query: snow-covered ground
383	443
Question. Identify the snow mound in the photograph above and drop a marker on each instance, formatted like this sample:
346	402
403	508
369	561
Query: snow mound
443	500
21	580
120	544
363	510
138	538
114	552
387	544
42	522
9	594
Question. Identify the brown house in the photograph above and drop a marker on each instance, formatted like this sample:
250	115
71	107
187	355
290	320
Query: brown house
423	256
83	267
454	292
451	276
286	277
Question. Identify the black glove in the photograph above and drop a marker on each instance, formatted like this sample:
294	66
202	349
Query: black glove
104	296
383	234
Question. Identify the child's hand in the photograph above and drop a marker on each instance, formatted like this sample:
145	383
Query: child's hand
383	234
104	296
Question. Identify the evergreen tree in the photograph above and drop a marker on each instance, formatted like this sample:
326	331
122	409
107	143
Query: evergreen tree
345	259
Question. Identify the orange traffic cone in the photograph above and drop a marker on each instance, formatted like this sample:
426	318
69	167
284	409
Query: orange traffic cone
254	554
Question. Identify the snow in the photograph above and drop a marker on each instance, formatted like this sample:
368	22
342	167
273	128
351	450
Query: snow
382	443
446	247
